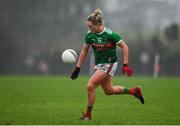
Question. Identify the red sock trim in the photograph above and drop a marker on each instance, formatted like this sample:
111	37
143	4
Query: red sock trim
88	113
132	91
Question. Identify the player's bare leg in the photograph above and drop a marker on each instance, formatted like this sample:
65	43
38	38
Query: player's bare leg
94	81
110	90
106	84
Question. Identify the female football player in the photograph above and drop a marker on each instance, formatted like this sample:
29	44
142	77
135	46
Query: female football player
103	42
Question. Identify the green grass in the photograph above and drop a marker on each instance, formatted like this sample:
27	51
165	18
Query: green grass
59	100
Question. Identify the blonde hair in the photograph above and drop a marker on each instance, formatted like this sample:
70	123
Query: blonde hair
96	17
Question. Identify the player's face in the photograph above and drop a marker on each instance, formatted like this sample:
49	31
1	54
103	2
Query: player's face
93	28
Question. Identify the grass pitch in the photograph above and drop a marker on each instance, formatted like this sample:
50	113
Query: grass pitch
59	100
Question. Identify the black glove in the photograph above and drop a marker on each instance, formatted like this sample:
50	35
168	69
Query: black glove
75	73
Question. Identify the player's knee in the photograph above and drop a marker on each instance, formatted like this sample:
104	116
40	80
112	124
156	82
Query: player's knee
90	87
108	92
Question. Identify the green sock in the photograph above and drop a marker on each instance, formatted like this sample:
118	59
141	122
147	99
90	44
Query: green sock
126	91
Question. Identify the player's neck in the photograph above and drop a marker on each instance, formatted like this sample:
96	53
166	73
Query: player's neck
101	30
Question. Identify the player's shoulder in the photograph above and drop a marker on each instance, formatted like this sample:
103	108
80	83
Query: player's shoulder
111	32
88	32
108	31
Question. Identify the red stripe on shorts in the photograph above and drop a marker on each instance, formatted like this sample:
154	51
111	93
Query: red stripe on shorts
110	68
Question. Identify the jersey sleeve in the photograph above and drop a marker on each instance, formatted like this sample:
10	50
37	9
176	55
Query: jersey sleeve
86	39
116	37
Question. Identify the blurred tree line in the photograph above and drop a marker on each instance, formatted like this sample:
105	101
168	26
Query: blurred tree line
33	33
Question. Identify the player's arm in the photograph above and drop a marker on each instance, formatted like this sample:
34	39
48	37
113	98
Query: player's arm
83	54
125	51
81	59
125	68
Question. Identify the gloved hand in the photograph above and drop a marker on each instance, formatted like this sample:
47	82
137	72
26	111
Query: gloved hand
75	73
127	69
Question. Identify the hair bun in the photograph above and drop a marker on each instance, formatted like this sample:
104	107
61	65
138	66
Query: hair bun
96	17
98	12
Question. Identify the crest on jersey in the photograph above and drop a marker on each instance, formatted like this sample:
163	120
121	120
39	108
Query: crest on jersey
99	40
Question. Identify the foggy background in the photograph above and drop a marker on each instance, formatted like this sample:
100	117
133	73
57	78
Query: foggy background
34	33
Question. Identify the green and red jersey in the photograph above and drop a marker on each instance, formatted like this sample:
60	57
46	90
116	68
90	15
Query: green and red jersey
104	45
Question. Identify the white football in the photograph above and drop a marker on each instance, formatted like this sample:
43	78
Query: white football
69	56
